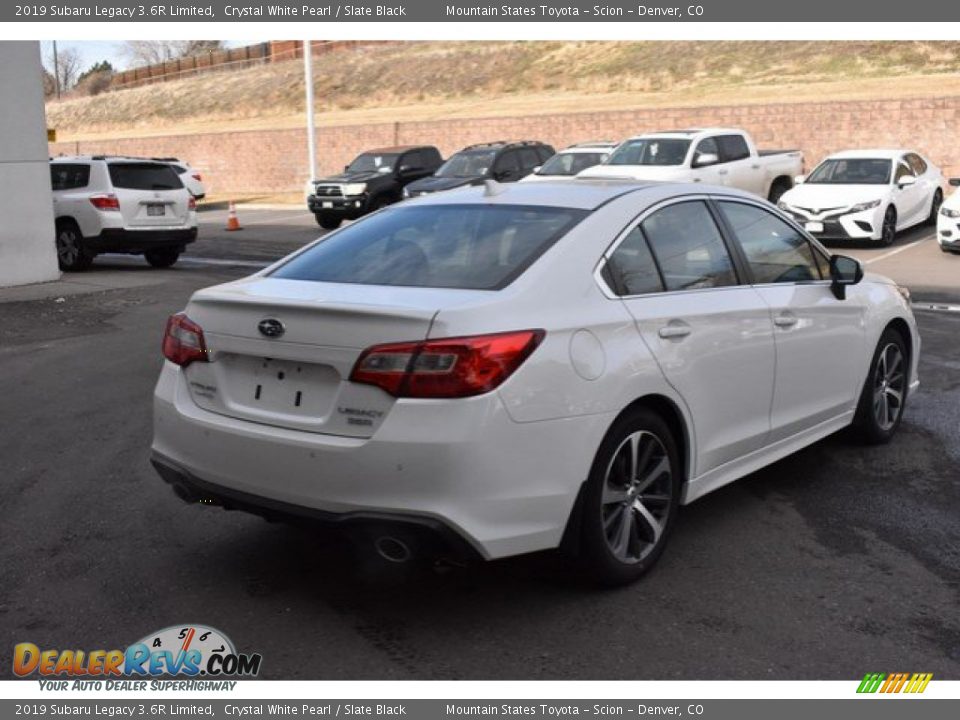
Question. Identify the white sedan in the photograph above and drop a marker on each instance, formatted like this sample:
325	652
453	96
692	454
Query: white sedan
504	369
866	195
948	222
572	160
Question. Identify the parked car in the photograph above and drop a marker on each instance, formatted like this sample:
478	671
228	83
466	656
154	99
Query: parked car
501	161
507	369
867	195
715	156
572	160
948	221
192	179
374	179
121	205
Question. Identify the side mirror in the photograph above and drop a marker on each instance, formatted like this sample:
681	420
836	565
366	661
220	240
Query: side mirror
704	159
346	168
799	179
906	181
955	182
844	271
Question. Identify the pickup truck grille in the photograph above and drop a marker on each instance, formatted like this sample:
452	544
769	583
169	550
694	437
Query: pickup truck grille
328	191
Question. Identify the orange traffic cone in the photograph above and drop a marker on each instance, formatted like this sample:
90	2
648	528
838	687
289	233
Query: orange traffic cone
232	222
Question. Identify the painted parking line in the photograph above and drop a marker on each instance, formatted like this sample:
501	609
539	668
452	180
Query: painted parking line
225	262
898	250
936	307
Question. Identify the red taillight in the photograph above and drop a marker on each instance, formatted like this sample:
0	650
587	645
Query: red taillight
198	177
447	368
105	202
192	203
183	341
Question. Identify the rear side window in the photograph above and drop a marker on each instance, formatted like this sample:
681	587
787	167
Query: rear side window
917	164
144	176
413	160
689	248
631	269
733	147
777	253
529	159
69	177
479	247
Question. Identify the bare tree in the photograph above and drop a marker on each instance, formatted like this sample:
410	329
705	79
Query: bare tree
64	65
151	52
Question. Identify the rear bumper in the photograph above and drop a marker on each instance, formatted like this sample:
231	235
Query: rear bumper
135	241
506	488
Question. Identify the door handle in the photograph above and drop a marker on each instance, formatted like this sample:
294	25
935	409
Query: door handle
785	321
674	331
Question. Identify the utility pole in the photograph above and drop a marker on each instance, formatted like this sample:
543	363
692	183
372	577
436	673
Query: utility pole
56	69
311	129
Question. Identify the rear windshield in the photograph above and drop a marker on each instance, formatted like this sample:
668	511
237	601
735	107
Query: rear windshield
479	247
144	176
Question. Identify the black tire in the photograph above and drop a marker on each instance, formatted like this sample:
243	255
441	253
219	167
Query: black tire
162	257
888	231
935	207
72	254
608	552
328	222
777	190
879	412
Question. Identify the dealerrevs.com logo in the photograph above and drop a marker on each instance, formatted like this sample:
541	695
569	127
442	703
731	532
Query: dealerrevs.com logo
179	650
885	683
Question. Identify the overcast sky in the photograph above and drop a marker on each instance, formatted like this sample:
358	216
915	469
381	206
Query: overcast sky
94	51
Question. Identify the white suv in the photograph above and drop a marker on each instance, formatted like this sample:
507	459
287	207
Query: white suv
123	205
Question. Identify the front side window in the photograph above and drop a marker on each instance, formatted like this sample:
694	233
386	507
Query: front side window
775	251
144	176
651	151
707	146
413	160
689	248
631	269
529	158
851	171
476	247
903	170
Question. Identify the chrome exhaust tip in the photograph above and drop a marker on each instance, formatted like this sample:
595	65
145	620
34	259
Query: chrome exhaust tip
393	549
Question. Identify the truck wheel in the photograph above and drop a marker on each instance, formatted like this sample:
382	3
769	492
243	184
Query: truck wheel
162	257
779	187
328	222
72	256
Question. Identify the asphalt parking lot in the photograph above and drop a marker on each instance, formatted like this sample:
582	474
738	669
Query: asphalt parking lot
833	562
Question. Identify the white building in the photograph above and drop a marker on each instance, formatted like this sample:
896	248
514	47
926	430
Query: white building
27	252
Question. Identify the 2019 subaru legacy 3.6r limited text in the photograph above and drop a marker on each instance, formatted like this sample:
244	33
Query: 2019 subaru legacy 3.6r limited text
499	370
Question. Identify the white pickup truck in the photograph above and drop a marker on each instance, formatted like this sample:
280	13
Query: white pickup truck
714	156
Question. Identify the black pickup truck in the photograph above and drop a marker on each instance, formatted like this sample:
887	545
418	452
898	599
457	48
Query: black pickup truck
374	179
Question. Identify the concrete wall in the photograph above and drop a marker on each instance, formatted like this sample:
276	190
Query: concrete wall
271	161
27	253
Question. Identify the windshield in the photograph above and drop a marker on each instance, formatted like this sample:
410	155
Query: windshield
852	171
651	151
480	247
571	163
467	164
144	176
371	162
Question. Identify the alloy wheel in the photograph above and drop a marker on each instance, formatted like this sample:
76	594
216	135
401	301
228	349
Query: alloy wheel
889	381
889	230
68	249
637	496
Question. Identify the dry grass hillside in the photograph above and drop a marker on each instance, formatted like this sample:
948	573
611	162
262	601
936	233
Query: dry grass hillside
424	80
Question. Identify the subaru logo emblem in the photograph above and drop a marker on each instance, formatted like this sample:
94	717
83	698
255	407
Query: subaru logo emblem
271	328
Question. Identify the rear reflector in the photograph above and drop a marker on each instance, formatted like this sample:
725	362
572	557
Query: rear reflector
445	368
192	203
183	341
105	202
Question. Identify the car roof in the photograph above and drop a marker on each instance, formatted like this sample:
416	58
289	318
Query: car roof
111	158
396	149
691	132
874	153
579	193
499	144
588	148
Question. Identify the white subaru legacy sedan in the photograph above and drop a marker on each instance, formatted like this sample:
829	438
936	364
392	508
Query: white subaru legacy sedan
504	369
